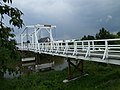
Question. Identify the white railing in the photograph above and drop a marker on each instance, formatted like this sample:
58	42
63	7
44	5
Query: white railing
106	49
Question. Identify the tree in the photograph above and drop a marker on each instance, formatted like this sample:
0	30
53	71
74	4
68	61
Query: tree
7	41
118	34
104	34
89	37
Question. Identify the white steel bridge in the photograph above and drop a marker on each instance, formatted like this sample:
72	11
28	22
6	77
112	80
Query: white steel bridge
106	50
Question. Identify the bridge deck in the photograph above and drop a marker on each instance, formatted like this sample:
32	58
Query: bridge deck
106	51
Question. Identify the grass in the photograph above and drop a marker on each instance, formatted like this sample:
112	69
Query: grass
101	77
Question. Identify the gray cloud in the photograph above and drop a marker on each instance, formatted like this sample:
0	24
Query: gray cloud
109	17
73	18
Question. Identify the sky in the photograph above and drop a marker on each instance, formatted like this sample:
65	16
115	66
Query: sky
73	18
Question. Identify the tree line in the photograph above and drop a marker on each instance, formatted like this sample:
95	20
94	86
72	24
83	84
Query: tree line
102	34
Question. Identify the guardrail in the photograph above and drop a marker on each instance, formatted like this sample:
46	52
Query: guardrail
103	49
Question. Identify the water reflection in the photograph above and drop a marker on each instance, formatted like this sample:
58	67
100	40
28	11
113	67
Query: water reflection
11	74
59	62
60	66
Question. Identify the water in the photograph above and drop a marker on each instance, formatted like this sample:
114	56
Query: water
59	62
11	74
60	66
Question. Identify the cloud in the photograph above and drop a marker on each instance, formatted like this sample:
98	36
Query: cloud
109	17
105	19
73	18
46	7
100	20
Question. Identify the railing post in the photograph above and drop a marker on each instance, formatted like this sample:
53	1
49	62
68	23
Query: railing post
88	50
75	48
66	48
51	46
93	45
42	47
106	49
34	46
105	55
57	47
82	46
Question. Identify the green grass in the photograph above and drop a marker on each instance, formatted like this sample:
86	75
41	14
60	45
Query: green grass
101	77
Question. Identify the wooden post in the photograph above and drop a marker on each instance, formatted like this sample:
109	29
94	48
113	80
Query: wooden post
37	57
78	66
69	69
82	66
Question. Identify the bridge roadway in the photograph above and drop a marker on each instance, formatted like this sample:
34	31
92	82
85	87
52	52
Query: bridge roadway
105	51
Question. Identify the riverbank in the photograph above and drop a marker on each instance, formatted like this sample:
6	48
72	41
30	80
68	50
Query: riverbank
101	77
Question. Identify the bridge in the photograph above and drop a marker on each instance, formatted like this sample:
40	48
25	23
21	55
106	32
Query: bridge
105	50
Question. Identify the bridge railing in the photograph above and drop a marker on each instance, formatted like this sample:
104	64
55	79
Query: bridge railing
104	49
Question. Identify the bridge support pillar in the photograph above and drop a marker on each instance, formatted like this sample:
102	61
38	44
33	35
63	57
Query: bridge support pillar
75	69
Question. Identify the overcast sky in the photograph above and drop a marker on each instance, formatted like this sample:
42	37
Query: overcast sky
73	18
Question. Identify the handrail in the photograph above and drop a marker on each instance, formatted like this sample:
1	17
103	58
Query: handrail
105	49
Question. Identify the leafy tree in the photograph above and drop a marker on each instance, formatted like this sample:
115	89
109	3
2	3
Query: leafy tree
84	37
7	41
118	34
89	37
104	34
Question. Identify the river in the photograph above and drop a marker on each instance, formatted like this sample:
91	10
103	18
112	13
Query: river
60	63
